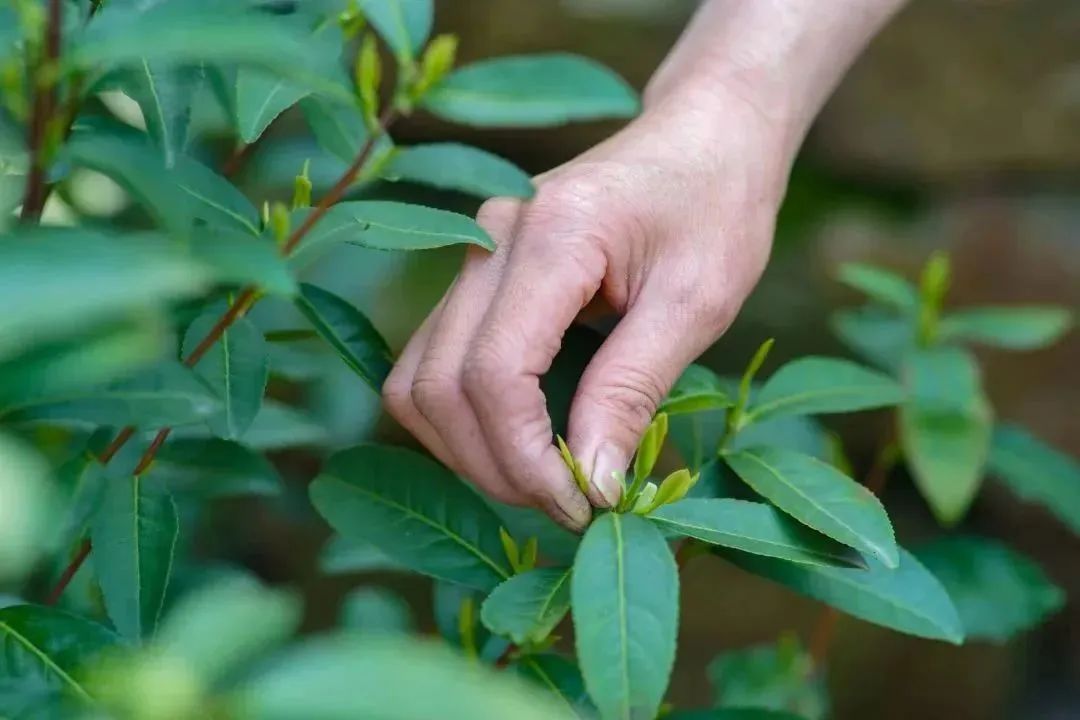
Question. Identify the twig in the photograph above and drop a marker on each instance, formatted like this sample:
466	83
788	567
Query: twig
44	82
244	302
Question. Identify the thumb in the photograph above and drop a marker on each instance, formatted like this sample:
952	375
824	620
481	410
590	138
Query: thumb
625	383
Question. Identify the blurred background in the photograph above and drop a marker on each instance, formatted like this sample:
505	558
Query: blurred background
959	130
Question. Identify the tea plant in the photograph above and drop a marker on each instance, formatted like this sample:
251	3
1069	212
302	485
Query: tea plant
137	388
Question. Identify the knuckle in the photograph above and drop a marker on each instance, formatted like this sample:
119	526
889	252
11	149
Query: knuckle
397	397
497	214
433	390
631	397
482	366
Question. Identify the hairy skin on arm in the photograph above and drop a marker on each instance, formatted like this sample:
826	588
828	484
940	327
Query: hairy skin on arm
669	222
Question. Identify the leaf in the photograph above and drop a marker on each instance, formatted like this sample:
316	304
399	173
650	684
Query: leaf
625	597
164	92
218	629
880	285
338	128
349	332
415	511
998	592
43	653
213	468
237	257
404	25
531	91
279	426
945	429
27	510
134	537
376	610
453	166
527	607
342	556
1037	472
770	677
878	335
1011	328
385	225
177	197
731	714
236	368
821	385
820	496
390	678
697	389
560	677
751	527
556	543
40	273
908	598
165	395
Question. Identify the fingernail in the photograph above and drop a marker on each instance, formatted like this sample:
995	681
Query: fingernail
608	462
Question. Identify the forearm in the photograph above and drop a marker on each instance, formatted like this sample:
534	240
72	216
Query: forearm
781	57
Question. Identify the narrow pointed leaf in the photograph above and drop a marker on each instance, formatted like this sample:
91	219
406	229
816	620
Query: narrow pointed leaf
556	542
527	607
561	678
260	98
237	257
625	596
945	429
415	511
908	598
44	653
403	24
134	536
880	336
997	592
339	128
751	527
386	225
698	389
1037	472
820	385
213	468
881	285
236	368
453	166
531	91
349	332
820	496
164	92
1011	328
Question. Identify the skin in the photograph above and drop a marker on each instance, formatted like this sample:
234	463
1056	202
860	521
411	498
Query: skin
669	223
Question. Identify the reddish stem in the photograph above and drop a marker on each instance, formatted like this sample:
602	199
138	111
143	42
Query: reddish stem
69	573
44	106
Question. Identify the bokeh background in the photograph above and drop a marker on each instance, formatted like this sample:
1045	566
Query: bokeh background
959	129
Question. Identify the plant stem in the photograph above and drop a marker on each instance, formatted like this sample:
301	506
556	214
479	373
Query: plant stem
247	298
44	82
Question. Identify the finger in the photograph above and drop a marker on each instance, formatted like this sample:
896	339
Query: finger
437	390
629	377
549	278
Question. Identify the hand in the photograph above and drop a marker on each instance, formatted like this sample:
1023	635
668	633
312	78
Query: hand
670	223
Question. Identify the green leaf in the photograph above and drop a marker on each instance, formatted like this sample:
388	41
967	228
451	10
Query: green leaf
385	225
349	332
908	598
82	480
625	597
880	285
260	98
43	653
343	556
997	592
556	542
821	385
27	509
945	429
1037	472
404	25
238	258
164	92
453	166
527	607
213	468
339	129
165	395
1012	328
279	426
376	610
40	273
698	389
880	336
236	368
531	91
820	496
134	536
415	511
770	677
218	629
390	678
751	527
731	714
560	677
178	197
